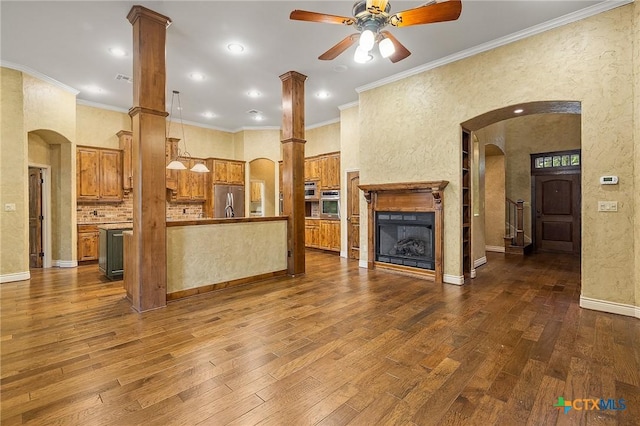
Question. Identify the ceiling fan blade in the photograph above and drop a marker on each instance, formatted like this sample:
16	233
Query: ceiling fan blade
401	52
437	12
303	15
376	6
339	47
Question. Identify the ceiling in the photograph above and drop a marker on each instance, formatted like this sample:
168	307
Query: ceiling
69	42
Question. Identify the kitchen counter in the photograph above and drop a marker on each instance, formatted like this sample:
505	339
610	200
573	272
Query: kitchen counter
118	225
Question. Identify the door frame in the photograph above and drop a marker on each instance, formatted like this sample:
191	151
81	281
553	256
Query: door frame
346	216
553	171
46	212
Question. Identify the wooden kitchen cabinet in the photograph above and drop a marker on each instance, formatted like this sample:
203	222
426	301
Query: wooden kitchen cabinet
312	233
330	171
125	138
191	186
88	242
312	168
256	192
98	174
227	171
330	235
170	154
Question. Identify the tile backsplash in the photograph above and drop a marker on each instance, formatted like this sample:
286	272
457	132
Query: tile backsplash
123	212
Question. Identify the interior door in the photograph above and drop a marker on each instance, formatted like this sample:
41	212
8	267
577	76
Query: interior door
35	218
353	215
557	210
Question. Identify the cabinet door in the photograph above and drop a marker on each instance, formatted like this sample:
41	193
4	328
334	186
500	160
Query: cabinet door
312	234
256	192
220	171
334	239
312	169
235	172
198	182
87	174
88	245
330	172
183	178
170	154
111	175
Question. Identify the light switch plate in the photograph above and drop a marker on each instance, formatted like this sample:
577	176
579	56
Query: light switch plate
607	206
10	207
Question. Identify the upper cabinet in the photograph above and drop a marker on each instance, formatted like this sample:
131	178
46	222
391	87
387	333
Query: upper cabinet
125	138
226	171
191	186
312	168
98	174
330	171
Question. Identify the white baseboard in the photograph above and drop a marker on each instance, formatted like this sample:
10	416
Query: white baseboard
363	264
610	307
18	276
343	254
495	249
64	263
453	279
480	262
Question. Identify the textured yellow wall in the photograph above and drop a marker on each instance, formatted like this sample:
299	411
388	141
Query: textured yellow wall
350	161
494	200
636	60
98	127
203	142
207	254
39	150
323	139
261	144
412	130
14	231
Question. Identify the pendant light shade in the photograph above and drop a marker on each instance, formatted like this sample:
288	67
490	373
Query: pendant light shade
175	163
386	47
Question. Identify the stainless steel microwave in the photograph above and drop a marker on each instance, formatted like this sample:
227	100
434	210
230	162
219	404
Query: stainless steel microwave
311	190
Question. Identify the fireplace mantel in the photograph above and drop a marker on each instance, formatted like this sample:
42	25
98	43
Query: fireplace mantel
406	197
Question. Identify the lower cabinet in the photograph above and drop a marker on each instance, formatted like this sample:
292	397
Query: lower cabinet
322	234
87	242
110	259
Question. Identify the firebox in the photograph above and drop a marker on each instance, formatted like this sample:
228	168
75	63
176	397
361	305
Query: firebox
405	239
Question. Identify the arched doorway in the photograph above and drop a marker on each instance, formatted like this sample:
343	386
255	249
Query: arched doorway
518	131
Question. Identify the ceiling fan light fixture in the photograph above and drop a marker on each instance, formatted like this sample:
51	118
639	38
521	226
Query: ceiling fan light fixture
386	47
361	56
367	40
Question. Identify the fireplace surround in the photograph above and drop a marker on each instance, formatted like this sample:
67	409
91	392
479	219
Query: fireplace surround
405	224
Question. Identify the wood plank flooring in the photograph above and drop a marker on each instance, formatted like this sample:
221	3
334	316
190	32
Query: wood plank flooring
340	345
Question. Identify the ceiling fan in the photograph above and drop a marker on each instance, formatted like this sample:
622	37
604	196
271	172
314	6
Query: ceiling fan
371	16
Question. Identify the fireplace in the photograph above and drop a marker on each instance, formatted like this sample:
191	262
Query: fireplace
405	224
405	239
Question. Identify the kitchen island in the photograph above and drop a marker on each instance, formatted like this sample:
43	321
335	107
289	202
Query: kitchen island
204	255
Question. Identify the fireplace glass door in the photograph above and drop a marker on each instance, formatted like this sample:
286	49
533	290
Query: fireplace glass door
405	239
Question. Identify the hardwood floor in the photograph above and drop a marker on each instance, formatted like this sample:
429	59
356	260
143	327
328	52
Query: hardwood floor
340	345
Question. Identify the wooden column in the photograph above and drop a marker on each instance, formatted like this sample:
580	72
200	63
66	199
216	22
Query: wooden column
148	254
293	167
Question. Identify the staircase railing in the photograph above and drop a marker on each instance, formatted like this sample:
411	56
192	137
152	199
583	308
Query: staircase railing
514	221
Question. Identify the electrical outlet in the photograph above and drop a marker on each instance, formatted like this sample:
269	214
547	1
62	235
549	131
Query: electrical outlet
10	207
607	206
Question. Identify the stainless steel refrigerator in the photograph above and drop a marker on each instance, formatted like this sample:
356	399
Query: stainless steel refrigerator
228	201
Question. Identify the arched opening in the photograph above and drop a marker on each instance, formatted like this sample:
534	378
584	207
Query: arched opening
504	141
52	153
262	187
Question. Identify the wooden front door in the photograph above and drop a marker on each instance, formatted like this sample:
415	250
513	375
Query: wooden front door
557	213
35	218
353	215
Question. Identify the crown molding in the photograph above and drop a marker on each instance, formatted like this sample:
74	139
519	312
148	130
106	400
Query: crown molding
40	76
324	123
520	35
101	106
349	105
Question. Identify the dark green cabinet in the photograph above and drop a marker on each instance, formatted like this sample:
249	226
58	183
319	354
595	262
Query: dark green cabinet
110	259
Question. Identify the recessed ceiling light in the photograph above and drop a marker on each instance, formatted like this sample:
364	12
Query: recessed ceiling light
323	94
208	114
94	89
196	76
235	47
116	51
254	93
518	111
340	68
258	117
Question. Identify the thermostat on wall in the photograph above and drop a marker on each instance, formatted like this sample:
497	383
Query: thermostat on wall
608	180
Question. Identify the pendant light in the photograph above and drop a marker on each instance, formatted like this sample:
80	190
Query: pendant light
176	164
